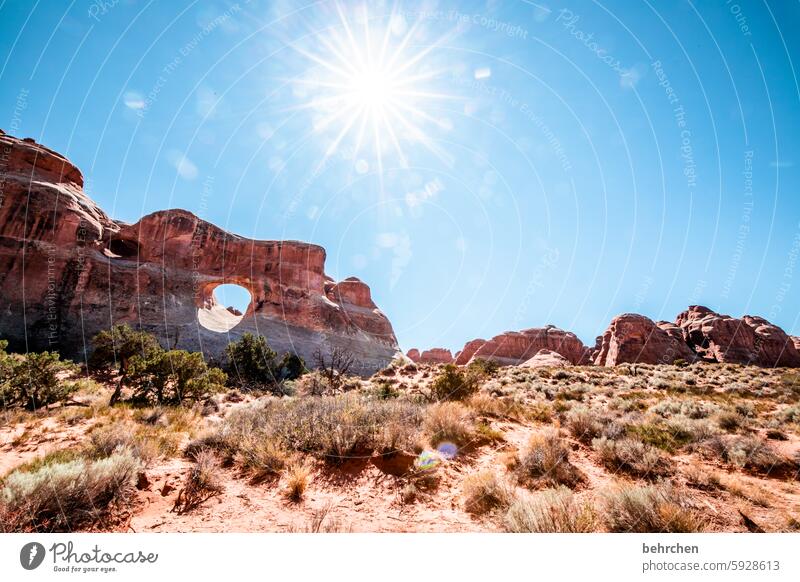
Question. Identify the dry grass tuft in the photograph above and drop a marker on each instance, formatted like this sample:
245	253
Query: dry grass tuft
485	492
545	460
66	496
550	511
449	422
296	481
202	483
631	456
652	509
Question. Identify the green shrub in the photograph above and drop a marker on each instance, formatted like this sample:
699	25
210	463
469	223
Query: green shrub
251	363
484	367
33	380
173	377
113	348
665	436
551	511
453	383
68	496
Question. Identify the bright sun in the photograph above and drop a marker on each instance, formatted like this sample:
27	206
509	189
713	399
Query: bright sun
369	83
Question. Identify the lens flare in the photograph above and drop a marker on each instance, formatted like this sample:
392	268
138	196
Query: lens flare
370	84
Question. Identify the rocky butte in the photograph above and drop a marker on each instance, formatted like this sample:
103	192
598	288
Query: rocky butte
697	334
68	271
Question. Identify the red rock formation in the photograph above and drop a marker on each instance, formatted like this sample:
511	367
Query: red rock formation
749	340
465	354
546	359
796	341
436	356
431	356
635	338
67	271
515	347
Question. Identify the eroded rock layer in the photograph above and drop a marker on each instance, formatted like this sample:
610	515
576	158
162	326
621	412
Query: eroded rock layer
67	271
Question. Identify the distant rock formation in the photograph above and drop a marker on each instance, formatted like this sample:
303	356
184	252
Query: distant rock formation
67	271
697	334
513	348
464	355
749	340
431	356
635	338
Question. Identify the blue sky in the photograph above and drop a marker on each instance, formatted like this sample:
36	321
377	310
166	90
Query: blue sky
558	163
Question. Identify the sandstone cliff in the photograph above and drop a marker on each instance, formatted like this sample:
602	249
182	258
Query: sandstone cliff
68	271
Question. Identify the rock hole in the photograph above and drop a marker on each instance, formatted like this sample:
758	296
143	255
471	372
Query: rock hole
224	307
123	248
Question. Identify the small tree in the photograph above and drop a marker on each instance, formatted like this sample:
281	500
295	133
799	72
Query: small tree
334	367
292	366
114	348
253	363
32	380
172	377
456	384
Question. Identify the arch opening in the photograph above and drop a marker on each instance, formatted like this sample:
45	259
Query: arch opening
224	307
123	248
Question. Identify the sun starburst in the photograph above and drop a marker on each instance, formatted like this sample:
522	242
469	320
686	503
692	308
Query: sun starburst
371	81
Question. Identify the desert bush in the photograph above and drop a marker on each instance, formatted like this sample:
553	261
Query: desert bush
545	459
550	511
66	496
746	452
790	414
263	435
684	407
486	368
334	367
668	436
33	380
486	491
585	424
651	509
453	383
172	377
448	422
730	421
632	456
513	407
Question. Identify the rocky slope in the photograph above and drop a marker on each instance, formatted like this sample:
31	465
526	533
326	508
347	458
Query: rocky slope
67	271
